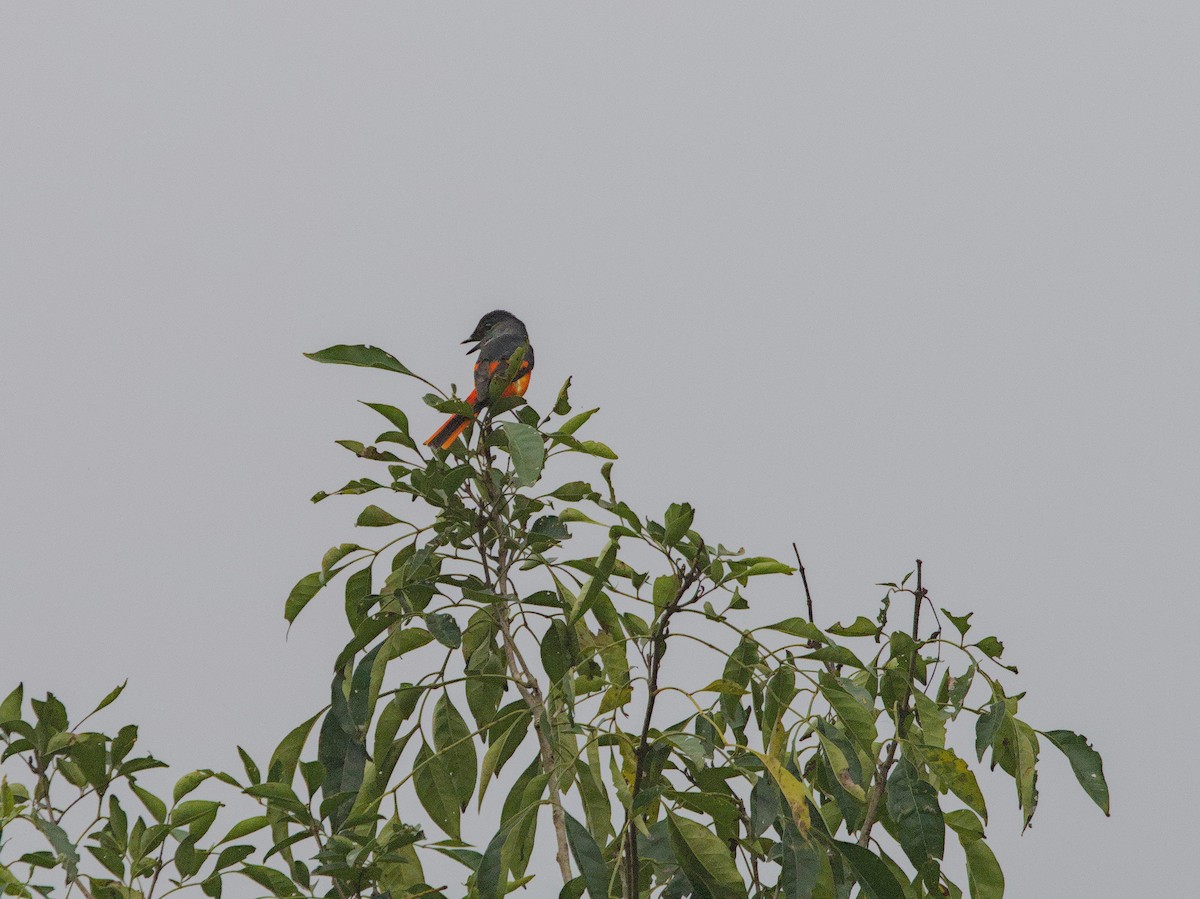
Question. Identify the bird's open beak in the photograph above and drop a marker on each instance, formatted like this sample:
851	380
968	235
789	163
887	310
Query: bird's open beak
472	349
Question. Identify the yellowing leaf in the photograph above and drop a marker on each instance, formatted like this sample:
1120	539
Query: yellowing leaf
794	791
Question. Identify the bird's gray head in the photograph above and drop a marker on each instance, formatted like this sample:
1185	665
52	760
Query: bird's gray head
495	321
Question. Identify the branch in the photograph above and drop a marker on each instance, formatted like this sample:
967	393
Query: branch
804	577
658	650
522	674
532	695
811	644
902	714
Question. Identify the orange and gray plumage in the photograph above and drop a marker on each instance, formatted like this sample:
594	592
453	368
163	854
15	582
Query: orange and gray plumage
497	337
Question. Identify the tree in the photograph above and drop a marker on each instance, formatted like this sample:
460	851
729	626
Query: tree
802	761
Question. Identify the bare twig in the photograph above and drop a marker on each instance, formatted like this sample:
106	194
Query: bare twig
804	577
811	644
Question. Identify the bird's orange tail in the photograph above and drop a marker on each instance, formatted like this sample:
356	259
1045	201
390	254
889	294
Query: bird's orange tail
444	437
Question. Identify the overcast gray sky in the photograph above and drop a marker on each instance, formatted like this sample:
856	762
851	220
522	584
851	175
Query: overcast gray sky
887	281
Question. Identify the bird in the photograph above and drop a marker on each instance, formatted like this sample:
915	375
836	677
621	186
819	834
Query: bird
498	335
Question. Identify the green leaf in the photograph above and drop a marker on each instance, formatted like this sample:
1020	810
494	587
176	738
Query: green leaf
966	824
615	697
307	587
1085	762
727	687
666	588
962	623
987	726
931	718
68	854
798	627
562	404
839	760
453	741
781	690
984	877
549	527
954	774
576	422
705	860
252	773
794	791
407	640
282	767
573	492
801	863
374	517
156	807
104	703
246	827
527	451
557	651
393	715
678	521
913	807
596	448
340	748
588	857
991	647
861	627
872	874
398	419
959	687
767	566
196	814
764	805
859	720
444	628
571	514
436	791
838	655
364	356
189	782
10	709
491	758
573	889
276	881
591	590
738	669
334	555
275	792
1017	753
689	746
489	872
231	855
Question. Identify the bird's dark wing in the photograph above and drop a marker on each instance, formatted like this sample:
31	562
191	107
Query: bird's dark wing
494	354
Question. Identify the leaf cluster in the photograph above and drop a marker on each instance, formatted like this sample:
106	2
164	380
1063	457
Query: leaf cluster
519	642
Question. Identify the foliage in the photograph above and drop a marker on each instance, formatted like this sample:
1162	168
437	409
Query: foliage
679	749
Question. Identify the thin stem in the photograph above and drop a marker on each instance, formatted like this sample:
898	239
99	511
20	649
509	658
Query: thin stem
496	578
902	714
658	642
804	577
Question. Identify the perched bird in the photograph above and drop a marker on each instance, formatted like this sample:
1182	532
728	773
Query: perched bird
497	336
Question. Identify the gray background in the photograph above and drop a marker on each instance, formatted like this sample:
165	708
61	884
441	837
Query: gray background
886	281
